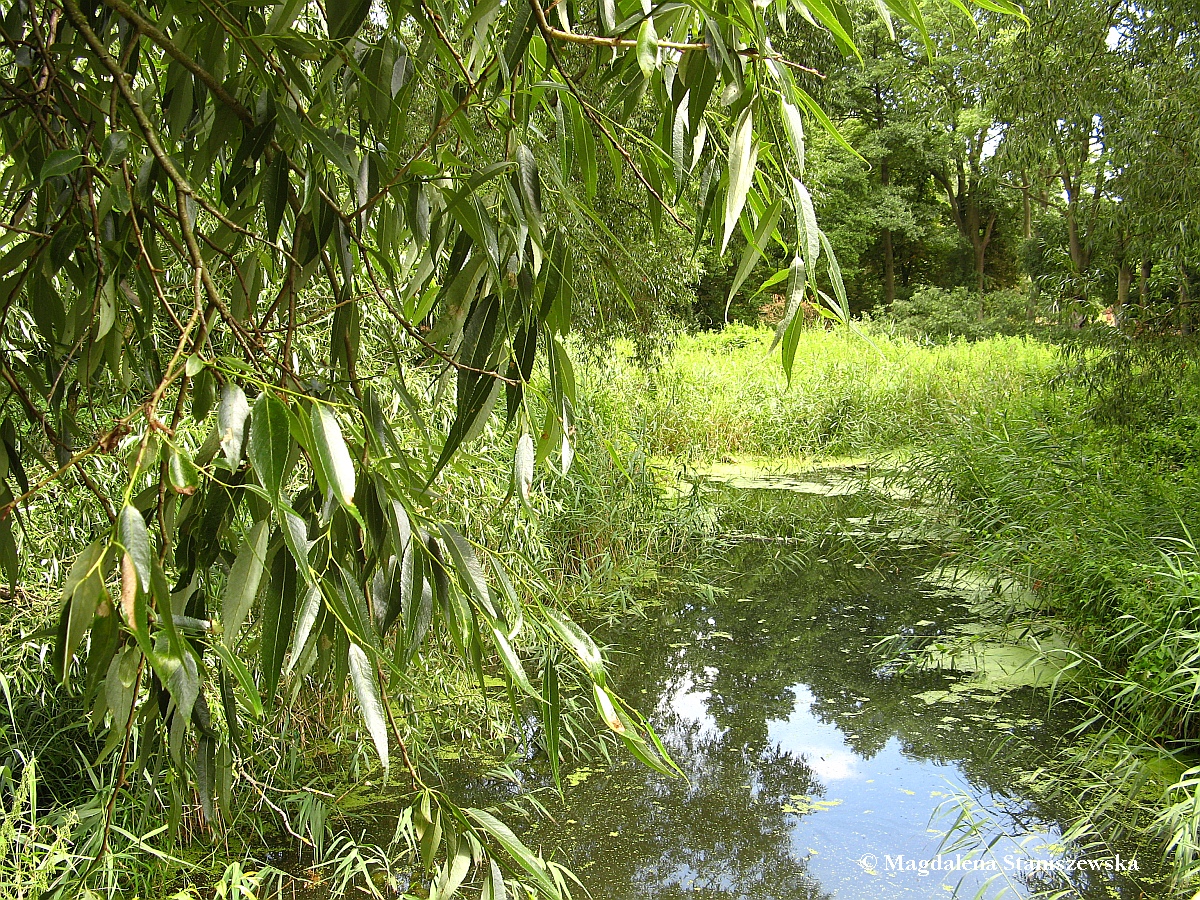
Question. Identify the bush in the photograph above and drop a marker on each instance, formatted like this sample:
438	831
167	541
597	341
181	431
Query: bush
942	314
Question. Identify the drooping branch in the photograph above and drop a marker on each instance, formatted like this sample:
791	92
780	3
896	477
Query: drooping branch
183	189
148	28
544	27
597	40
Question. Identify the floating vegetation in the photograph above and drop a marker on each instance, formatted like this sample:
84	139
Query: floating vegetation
802	804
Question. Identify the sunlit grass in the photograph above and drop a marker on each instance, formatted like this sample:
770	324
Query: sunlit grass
722	394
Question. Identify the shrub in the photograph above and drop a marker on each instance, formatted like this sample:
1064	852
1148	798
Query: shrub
945	313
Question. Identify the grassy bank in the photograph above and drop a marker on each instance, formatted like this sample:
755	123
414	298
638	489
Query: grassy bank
1090	493
1081	480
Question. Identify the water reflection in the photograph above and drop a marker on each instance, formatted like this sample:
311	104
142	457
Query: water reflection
807	764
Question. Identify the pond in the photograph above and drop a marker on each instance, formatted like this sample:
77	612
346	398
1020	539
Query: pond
815	767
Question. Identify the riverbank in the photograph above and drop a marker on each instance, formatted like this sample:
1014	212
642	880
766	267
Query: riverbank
1076	474
1046	479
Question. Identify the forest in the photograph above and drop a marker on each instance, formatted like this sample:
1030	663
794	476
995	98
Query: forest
643	448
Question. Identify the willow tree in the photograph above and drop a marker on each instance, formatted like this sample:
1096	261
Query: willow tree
210	207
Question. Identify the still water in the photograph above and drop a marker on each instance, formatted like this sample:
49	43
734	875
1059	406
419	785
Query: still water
815	768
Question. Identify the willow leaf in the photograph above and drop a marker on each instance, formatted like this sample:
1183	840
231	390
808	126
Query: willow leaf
335	457
366	689
742	155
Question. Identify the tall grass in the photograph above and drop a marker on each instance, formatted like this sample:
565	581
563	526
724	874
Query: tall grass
721	393
1075	469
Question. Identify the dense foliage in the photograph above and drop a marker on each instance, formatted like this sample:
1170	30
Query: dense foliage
233	236
293	298
1050	156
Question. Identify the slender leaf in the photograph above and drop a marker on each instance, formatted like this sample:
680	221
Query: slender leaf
244	578
135	538
232	416
742	155
335	457
647	47
270	442
366	689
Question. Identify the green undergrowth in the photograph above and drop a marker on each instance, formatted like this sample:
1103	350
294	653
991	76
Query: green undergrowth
852	392
305	777
1071	470
1092	513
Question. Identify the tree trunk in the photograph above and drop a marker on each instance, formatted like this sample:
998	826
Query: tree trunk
980	250
1144	283
1124	281
889	268
979	243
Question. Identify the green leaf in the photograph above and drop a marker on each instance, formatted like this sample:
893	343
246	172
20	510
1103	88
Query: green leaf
279	614
244	578
647	47
835	276
182	472
270	442
681	151
608	712
795	296
178	671
345	17
531	183
585	148
578	642
509	657
516	850
608	16
60	162
309	610
742	155
244	679
334	456
232	416
814	109
82	591
828	17
523	468
467	564
794	126
116	148
886	15
295	535
806	223
754	249
366	688
132	533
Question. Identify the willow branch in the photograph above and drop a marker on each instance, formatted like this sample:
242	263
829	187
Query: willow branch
148	28
544	27
596	40
183	189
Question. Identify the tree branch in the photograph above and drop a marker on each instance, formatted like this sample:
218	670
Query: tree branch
148	28
544	27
